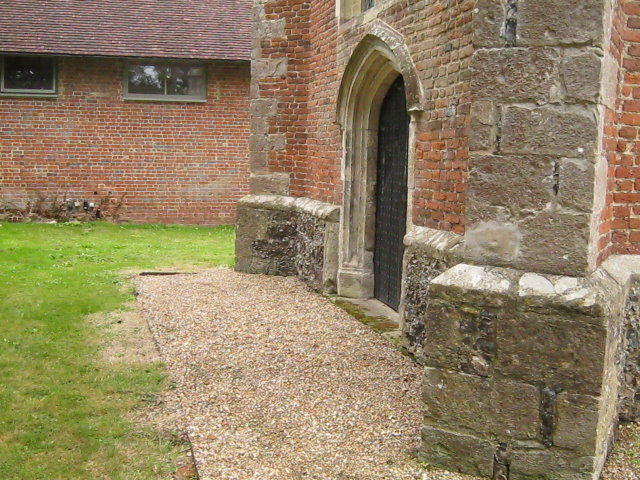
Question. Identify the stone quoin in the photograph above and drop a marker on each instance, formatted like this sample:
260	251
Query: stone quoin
518	280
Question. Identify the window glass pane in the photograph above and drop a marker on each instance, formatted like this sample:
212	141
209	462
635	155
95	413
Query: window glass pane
28	73
185	80
147	79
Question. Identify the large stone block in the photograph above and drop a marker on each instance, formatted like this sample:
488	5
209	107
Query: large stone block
457	451
561	352
553	22
555	242
576	179
493	242
581	75
269	184
520	183
577	423
595	297
487	408
264	241
515	74
551	464
460	338
476	286
545	399
461	319
484	126
488	24
568	132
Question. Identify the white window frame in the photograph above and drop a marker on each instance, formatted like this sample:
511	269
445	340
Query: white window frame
28	92
158	97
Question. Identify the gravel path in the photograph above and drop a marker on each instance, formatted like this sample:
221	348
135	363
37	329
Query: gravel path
275	382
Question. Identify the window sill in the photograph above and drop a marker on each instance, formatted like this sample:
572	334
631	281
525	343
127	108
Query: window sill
165	100
28	95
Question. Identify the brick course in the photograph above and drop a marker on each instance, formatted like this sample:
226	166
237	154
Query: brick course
175	162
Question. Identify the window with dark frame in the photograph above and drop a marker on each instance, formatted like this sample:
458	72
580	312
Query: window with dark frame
367	4
165	81
27	75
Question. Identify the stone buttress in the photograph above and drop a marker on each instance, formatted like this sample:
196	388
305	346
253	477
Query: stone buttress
528	345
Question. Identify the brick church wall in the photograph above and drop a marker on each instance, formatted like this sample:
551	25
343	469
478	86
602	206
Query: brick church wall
174	162
622	233
313	48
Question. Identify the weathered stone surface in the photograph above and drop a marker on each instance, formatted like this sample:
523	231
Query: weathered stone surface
428	253
515	74
462	316
484	119
551	464
488	24
264	241
563	352
321	210
577	421
457	452
474	285
280	235
269	68
520	183
576	184
581	75
549	378
549	131
550	22
269	184
597	296
555	242
486	408
460	338
491	242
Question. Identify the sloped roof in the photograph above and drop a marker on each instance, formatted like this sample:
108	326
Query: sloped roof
197	29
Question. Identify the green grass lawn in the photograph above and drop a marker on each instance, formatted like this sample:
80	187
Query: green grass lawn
62	411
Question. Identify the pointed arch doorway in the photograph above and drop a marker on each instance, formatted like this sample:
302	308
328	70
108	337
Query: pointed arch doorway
379	103
391	195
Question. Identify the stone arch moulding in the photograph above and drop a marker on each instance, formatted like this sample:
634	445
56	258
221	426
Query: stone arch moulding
374	65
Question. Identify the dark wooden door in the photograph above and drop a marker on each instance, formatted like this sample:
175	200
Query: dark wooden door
391	195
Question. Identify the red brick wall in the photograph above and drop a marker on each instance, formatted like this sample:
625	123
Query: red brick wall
614	220
623	200
440	40
176	162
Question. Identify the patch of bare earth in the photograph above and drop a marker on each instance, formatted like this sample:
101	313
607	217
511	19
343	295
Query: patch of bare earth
274	382
127	341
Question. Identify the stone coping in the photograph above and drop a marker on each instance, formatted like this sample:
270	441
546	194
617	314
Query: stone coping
600	294
436	243
321	210
623	268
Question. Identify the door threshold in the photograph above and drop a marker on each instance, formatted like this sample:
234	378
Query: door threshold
374	314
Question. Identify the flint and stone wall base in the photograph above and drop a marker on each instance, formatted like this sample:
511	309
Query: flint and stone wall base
526	374
428	253
279	235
